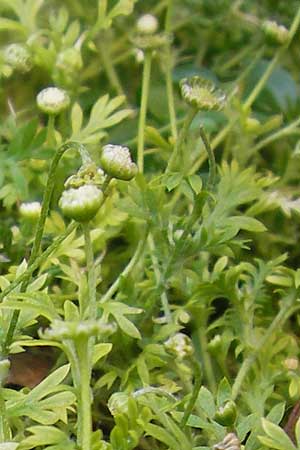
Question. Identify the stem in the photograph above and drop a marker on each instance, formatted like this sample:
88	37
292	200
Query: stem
40	227
211	158
51	141
143	110
91	310
109	68
207	364
4	429
169	81
182	136
193	399
114	287
276	324
84	400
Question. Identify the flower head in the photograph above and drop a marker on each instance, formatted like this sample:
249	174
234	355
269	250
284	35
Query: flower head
81	204
53	100
147	24
116	162
18	57
30	210
275	33
180	345
202	94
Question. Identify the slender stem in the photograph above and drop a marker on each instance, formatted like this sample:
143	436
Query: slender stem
193	399
109	68
51	141
207	364
276	324
181	139
90	311
143	110
169	81
40	227
114	287
211	158
84	400
4	428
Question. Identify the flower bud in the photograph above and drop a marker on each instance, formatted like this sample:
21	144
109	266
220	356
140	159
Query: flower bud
30	211
202	94
276	34
61	330
147	24
117	162
81	204
69	60
180	345
226	415
118	403
151	41
4	369
230	442
18	57
53	100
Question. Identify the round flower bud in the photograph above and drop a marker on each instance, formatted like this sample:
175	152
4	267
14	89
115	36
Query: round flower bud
18	57
118	403
180	345
30	211
147	24
53	100
276	34
69	60
226	414
230	442
81	204
202	94
116	162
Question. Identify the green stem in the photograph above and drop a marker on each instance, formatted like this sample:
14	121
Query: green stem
90	310
84	400
169	81
114	287
211	159
143	110
51	141
109	68
181	139
193	399
276	324
207	364
4	428
41	225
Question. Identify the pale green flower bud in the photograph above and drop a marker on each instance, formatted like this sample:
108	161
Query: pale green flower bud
81	204
180	345
61	330
53	100
116	162
69	60
18	57
147	24
202	94
275	33
230	442
30	211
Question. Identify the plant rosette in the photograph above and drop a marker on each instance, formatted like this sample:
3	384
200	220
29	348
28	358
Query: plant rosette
81	204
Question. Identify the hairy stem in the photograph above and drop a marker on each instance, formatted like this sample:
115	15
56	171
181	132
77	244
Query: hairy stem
143	110
90	310
211	159
193	399
84	400
169	81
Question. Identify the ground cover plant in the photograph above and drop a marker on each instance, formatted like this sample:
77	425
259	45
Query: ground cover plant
149	204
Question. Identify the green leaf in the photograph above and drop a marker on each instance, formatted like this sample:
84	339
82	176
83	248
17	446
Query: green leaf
195	182
127	326
9	445
277	437
224	392
206	402
246	223
76	118
161	435
100	350
297	433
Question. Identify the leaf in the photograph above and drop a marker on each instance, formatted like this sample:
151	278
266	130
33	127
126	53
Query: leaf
100	350
44	435
9	445
127	326
195	182
297	432
76	118
277	437
47	386
224	392
246	223
206	402
161	435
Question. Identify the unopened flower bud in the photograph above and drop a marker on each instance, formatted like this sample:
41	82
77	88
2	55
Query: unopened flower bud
202	94
230	442
116	162
276	34
30	211
147	24
53	100
18	57
180	345
81	204
118	403
61	330
4	369
226	414
69	60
